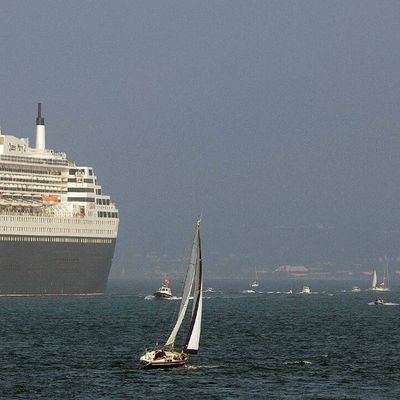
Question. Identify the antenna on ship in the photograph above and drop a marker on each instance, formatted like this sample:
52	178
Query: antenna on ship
40	130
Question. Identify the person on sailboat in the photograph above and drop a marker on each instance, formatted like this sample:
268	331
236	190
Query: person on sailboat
159	354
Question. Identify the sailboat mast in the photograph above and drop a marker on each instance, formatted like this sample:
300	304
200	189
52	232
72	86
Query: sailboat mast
386	273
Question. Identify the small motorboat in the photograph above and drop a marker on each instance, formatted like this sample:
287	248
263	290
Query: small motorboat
305	290
164	292
355	289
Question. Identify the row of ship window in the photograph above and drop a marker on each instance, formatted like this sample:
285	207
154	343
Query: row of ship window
30	189
56	230
103	202
73	180
107	214
55	220
81	199
53	239
31	180
81	190
31	171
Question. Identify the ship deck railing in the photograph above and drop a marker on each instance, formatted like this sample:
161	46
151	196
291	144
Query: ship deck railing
39	213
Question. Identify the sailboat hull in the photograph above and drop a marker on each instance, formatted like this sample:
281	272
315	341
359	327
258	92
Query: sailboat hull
161	358
162	364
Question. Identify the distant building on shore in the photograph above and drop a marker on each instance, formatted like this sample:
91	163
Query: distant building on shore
292	269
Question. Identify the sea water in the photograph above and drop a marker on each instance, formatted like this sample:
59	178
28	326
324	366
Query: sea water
326	345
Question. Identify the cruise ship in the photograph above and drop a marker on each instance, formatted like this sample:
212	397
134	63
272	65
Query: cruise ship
57	227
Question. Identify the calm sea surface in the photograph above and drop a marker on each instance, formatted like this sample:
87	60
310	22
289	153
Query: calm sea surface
88	347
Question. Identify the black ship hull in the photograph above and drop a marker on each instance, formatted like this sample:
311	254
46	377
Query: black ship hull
54	265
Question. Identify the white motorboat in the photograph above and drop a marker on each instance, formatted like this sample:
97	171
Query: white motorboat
164	292
305	290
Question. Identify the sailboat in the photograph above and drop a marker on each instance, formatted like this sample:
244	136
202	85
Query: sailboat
166	356
384	285
254	284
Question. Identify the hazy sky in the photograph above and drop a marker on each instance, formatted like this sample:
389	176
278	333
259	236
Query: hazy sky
279	119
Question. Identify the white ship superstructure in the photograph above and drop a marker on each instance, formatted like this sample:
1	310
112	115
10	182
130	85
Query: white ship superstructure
46	198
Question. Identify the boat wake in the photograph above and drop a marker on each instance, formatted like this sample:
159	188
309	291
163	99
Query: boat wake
278	292
198	367
151	297
298	362
372	303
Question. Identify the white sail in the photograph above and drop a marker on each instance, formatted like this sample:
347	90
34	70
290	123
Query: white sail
193	337
187	288
374	279
254	284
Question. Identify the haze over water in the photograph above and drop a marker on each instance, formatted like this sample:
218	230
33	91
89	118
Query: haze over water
278	119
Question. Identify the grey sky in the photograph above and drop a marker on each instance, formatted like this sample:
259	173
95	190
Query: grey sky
279	119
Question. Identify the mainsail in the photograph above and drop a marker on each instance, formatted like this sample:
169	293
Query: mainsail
194	275
374	279
193	337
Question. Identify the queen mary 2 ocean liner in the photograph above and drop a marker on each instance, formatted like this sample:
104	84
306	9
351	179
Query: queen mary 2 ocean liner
57	228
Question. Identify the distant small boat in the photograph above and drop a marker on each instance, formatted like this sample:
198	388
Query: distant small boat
164	292
379	302
305	290
254	284
289	292
384	285
210	290
356	289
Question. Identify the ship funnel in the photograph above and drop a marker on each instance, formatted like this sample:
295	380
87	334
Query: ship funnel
40	130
